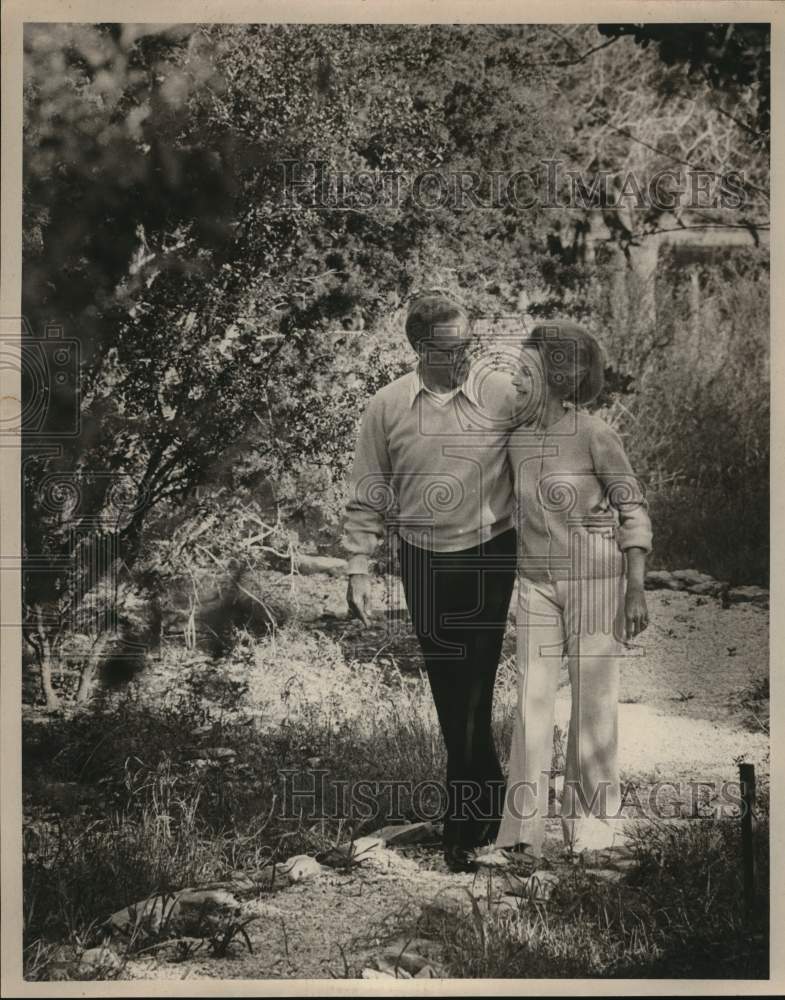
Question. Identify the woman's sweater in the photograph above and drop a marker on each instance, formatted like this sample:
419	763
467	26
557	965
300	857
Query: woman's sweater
578	501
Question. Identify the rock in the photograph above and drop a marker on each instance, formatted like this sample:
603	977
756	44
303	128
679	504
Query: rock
307	565
369	973
335	857
538	886
145	917
205	755
407	959
509	905
365	846
186	911
455	902
692	577
749	595
606	874
427	972
219	753
103	958
657	578
703	589
426	947
301	868
399	834
194	908
390	968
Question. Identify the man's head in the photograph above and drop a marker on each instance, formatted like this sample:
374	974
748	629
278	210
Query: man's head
439	330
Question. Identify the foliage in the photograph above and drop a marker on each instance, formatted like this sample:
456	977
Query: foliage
203	295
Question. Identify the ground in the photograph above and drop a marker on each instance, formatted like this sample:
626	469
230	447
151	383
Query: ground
681	719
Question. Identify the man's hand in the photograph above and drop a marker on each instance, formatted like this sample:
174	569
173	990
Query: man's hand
358	597
636	614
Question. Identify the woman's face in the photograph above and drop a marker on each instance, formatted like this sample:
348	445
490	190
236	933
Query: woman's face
529	382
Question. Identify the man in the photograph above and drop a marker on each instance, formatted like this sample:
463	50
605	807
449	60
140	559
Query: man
430	467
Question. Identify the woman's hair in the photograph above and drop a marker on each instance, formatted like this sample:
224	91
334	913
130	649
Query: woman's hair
573	359
431	309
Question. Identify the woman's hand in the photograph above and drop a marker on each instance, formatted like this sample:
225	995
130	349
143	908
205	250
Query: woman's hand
636	614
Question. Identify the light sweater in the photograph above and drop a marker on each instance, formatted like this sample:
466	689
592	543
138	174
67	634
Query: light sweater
579	503
434	471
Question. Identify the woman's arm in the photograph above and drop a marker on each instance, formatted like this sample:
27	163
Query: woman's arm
624	492
636	613
623	489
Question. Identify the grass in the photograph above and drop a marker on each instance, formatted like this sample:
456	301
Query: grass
148	794
140	797
679	913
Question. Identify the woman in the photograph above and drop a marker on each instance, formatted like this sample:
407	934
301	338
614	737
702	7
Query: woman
584	533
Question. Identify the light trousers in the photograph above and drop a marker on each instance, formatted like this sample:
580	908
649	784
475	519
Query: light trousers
582	619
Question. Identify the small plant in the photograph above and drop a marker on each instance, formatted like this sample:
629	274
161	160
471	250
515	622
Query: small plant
221	937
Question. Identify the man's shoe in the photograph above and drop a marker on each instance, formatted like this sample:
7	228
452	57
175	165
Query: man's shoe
459	859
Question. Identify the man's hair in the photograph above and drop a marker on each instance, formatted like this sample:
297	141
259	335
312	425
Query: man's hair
430	310
572	358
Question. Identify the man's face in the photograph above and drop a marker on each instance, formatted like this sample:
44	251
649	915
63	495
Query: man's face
446	351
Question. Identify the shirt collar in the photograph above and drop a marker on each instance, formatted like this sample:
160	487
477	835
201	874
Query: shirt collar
416	385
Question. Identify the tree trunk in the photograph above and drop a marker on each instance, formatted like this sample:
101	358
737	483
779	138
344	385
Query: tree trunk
49	693
42	647
89	674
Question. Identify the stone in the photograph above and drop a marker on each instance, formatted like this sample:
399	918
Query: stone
342	855
391	969
369	973
103	957
308	565
184	912
145	917
705	589
407	959
219	753
455	902
427	972
209	754
751	595
196	907
657	578
606	874
301	868
365	846
508	904
692	576
399	834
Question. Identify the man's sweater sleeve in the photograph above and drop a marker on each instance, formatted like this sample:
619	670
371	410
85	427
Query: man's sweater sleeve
370	494
623	490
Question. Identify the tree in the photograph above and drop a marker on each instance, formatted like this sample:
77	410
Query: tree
206	273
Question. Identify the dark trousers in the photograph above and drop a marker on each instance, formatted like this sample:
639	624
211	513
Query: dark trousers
458	603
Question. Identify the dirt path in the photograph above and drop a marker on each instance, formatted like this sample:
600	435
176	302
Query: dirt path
679	720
